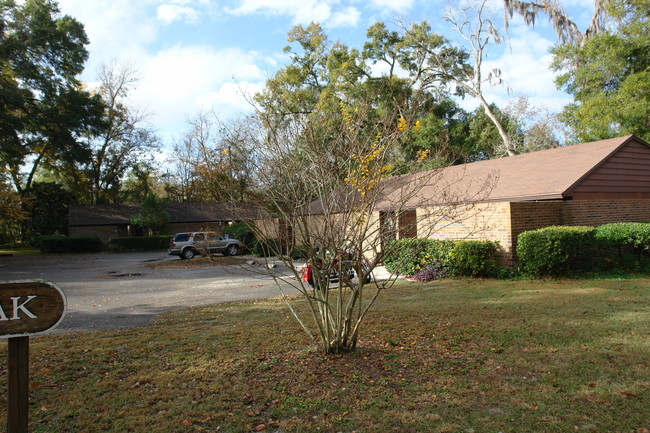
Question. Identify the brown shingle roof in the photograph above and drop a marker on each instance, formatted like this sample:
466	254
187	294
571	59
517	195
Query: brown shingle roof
543	175
546	174
112	214
101	214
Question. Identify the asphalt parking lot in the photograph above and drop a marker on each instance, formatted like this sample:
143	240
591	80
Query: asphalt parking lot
108	290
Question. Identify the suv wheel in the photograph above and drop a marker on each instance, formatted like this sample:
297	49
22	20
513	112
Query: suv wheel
232	250
188	253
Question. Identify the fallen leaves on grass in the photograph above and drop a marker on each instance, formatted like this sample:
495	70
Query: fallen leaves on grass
198	262
430	358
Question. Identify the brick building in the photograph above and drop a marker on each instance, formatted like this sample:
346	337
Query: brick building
114	220
586	184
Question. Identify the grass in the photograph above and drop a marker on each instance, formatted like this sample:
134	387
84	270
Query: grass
199	262
22	251
449	356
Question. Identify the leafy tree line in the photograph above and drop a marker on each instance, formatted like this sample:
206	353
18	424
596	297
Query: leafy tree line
98	148
61	142
606	67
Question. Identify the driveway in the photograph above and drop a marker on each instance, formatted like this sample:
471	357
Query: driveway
107	290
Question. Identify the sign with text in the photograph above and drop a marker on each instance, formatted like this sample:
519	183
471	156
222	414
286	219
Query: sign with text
30	307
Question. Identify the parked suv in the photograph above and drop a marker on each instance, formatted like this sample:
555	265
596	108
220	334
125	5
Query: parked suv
187	245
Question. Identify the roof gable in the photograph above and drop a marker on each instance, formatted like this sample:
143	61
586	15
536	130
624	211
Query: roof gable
625	172
547	174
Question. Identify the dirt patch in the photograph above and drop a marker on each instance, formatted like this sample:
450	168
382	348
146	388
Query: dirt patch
198	262
115	274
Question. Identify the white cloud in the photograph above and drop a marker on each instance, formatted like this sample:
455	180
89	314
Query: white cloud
525	69
117	29
180	81
302	11
231	97
400	6
169	13
349	17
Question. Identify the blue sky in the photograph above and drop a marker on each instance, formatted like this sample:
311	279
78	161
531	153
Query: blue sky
197	55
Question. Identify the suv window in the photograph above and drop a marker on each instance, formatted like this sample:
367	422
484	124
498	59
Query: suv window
198	237
182	237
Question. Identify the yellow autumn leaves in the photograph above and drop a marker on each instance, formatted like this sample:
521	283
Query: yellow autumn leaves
403	125
369	171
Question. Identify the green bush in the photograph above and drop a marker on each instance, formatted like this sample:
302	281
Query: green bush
138	243
35	241
436	251
241	231
473	259
459	258
625	245
267	247
556	250
407	256
62	244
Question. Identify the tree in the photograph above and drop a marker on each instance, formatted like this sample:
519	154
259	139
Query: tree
46	204
406	73
12	213
122	143
605	67
44	108
152	218
530	128
142	179
475	24
334	205
486	137
537	128
296	170
567	30
609	76
182	180
212	160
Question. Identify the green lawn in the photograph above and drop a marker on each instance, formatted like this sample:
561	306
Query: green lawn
18	251
451	356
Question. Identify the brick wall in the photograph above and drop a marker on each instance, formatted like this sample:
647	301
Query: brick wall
102	232
599	212
484	221
535	215
503	222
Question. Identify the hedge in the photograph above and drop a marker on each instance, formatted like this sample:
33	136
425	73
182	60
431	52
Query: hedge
241	231
557	251
474	258
407	256
61	244
625	245
138	243
440	258
35	241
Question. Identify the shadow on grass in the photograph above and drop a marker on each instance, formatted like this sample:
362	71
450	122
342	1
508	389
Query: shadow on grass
456	355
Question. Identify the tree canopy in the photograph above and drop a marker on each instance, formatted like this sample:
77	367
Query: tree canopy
43	106
606	67
406	75
608	76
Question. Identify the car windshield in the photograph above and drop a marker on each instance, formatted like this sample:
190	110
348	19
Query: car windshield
182	237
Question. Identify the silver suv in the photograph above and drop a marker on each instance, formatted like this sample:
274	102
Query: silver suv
188	245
